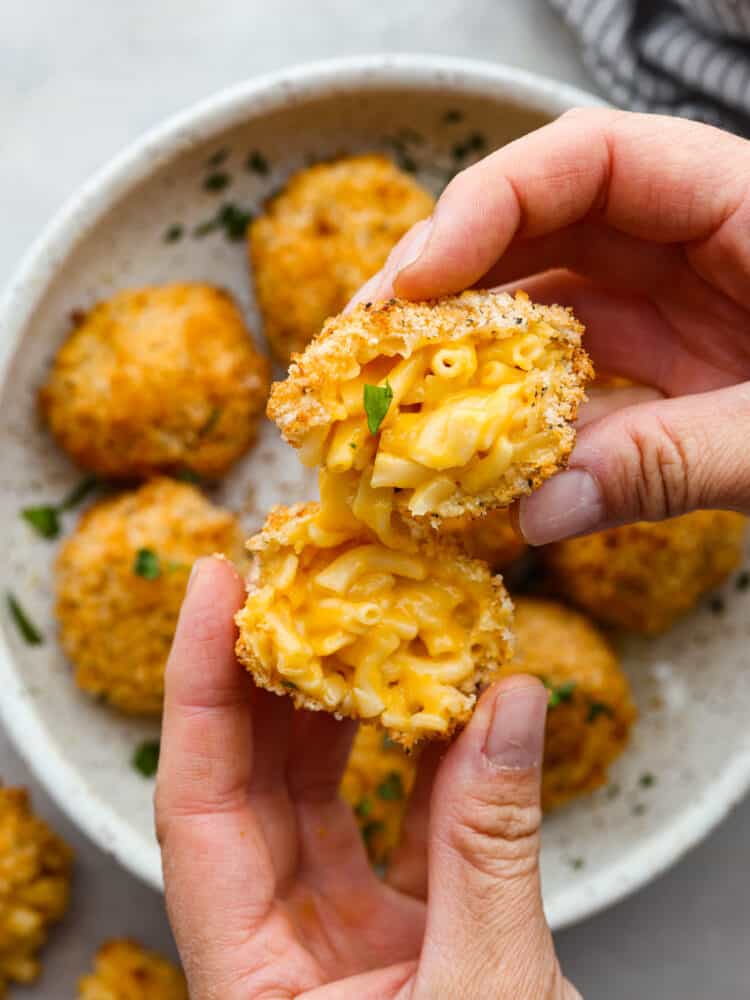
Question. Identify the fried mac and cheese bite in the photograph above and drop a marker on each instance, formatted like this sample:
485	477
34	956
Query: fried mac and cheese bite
643	577
377	782
123	970
156	380
437	409
35	867
322	237
491	537
120	580
341	623
591	709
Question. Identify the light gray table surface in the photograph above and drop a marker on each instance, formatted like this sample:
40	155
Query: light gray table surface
79	79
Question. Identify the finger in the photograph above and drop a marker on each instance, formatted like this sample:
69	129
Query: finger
603	400
380	285
383	984
648	462
407	870
656	178
213	854
484	914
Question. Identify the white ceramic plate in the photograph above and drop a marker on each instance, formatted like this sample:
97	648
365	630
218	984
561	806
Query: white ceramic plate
693	686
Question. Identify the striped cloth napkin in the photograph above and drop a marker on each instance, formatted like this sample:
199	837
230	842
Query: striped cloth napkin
678	57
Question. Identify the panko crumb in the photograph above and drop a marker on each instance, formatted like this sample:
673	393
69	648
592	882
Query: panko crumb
643	577
323	236
157	379
124	970
35	868
116	625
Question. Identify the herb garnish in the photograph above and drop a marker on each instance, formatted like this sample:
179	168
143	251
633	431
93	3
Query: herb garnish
216	159
716	605
560	693
743	580
577	863
597	708
187	475
363	808
210	422
146	758
45	519
257	163
647	780
25	626
370	829
173	233
217	181
146	564
453	115
391	788
377	399
232	219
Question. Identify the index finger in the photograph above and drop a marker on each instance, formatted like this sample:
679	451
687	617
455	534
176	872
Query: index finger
659	179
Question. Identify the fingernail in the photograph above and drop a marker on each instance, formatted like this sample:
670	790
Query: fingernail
568	504
194	572
411	246
515	739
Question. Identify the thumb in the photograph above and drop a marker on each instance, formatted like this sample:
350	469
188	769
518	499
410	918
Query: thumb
486	933
647	462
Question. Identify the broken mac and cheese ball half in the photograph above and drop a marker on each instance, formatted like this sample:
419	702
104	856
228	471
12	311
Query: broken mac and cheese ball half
436	409
124	970
343	624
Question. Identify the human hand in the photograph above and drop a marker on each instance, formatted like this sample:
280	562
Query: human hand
268	887
650	219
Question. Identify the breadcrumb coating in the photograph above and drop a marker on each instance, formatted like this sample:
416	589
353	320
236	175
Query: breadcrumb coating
492	537
591	707
35	867
322	237
116	625
487	387
341	623
377	782
155	380
643	577
123	970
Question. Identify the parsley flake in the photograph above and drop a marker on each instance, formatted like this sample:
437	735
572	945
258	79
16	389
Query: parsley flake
146	564
647	780
597	708
146	758
25	626
258	164
363	808
217	181
173	233
391	788
43	520
560	693
369	830
79	492
187	475
377	399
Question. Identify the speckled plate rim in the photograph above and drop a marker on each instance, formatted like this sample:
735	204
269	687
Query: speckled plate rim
81	213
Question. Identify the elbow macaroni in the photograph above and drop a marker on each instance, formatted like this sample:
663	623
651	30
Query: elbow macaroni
342	623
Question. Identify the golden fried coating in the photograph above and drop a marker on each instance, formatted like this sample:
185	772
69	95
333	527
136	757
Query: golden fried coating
492	537
642	577
377	781
34	886
157	379
343	624
437	409
123	970
591	707
323	236
120	580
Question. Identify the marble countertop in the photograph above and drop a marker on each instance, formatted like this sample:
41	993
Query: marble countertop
79	79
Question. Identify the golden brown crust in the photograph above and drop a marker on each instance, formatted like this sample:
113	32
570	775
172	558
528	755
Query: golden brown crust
157	379
116	626
491	537
642	577
306	402
323	236
124	970
35	869
286	531
591	707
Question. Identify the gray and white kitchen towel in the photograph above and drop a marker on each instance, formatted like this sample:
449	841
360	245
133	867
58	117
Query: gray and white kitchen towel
678	57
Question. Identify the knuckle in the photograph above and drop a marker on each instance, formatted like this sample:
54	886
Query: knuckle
499	839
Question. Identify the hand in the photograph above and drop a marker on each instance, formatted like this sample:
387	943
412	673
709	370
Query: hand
268	887
650	219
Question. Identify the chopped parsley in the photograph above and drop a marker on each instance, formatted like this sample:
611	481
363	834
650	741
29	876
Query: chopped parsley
391	788
473	143
560	693
173	233
717	606
257	163
743	580
452	116
146	564
597	708
647	780
232	219
217	181
43	520
210	422
363	808
377	399
146	758
216	159
25	626
369	830
79	492
187	475
577	864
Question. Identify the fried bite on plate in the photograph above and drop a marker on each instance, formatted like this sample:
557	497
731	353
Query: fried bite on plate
124	970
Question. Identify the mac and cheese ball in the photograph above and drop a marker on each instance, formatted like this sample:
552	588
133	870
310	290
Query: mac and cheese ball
642	577
491	537
591	709
120	580
345	625
377	782
155	380
437	409
35	869
323	236
123	970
